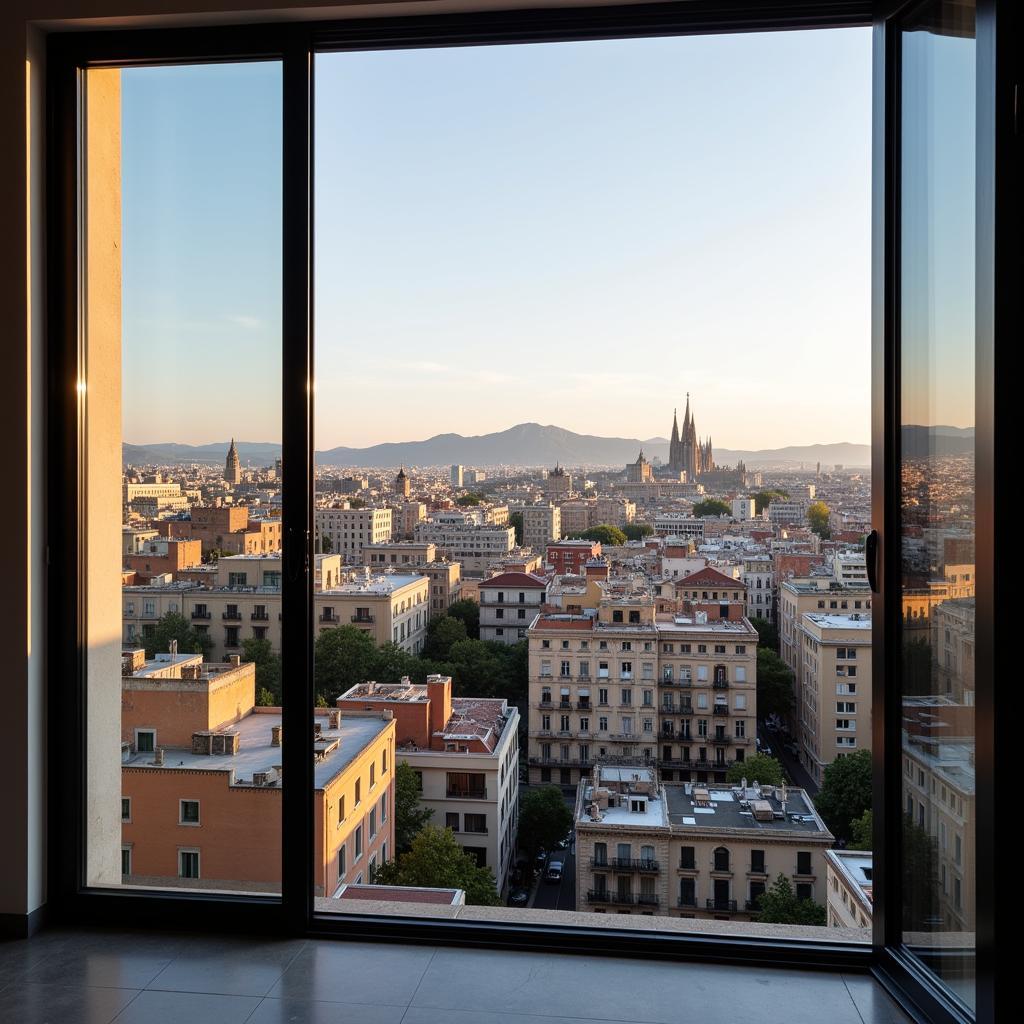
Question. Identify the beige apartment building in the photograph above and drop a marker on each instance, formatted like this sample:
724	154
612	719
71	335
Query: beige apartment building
690	850
474	547
822	594
347	531
849	888
628	683
835	709
541	525
245	602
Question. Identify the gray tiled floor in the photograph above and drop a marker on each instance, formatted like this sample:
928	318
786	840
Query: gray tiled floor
97	977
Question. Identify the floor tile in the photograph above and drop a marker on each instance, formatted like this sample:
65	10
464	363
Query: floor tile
874	1004
187	1008
98	966
301	1011
571	986
433	1015
26	1003
232	967
355	972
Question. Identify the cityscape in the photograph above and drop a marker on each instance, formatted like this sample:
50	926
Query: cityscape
636	689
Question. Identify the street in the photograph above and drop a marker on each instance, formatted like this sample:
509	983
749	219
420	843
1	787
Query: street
562	896
790	763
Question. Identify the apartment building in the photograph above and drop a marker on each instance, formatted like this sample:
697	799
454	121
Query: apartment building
230	528
577	515
465	752
541	525
675	524
622	681
835	694
474	547
848	888
244	602
347	531
509	602
759	577
570	556
201	782
819	594
402	553
161	556
784	511
742	509
689	850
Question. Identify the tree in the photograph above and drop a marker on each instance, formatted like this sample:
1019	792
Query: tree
174	626
759	768
637	531
268	667
817	518
774	684
605	533
711	507
472	498
410	814
326	544
767	633
343	657
356	503
469	612
862	830
845	793
779	905
544	819
442	632
435	860
515	520
391	663
764	498
265	699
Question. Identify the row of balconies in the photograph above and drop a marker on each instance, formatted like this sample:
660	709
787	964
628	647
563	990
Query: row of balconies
623	899
621	864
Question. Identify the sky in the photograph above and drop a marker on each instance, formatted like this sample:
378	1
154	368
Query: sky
571	233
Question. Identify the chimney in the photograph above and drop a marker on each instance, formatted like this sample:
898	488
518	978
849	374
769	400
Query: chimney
275	735
439	692
234	659
173	648
158	756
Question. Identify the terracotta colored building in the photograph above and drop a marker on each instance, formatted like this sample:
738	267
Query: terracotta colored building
570	556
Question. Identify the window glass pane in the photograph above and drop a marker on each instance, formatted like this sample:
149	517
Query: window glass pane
181	354
937	374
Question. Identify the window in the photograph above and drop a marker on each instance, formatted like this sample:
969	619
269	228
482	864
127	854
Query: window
126	861
359	841
342	858
188	812
451	820
188	864
126	809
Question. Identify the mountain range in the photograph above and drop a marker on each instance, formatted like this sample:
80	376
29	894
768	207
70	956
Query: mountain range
526	444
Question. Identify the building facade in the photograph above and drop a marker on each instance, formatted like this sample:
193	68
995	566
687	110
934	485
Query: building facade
509	602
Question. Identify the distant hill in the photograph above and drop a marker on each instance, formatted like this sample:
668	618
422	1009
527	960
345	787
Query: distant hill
526	444
919	442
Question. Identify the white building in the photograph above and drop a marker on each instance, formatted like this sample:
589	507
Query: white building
743	509
474	546
348	530
541	525
849	888
457	476
465	751
508	604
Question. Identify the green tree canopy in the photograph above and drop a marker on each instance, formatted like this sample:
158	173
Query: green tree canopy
434	859
544	819
174	626
711	507
469	612
779	905
862	831
472	498
410	814
637	531
343	657
774	684
759	768
845	793
442	633
326	544
515	520
268	667
391	663
764	498
817	519
767	633
605	533
265	699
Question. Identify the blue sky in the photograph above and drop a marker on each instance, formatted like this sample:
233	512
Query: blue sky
575	234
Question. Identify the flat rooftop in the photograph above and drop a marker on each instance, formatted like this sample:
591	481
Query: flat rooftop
731	807
839	621
387	583
855	867
256	753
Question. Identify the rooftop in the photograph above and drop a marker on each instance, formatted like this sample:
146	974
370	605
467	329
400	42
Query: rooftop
854	866
754	809
256	752
386	583
854	621
515	579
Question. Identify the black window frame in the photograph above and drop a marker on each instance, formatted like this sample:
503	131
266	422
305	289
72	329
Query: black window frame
294	44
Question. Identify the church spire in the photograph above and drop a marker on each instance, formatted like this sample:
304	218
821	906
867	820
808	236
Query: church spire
675	427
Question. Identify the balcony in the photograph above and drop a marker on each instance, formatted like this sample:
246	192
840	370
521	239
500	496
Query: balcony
626	899
545	704
687	902
231	616
259	617
466	794
327	618
721	684
721	741
627	864
584	705
367	620
201	615
752	906
722	906
720	709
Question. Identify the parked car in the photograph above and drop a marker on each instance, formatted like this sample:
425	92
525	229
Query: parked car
554	872
518	898
542	856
